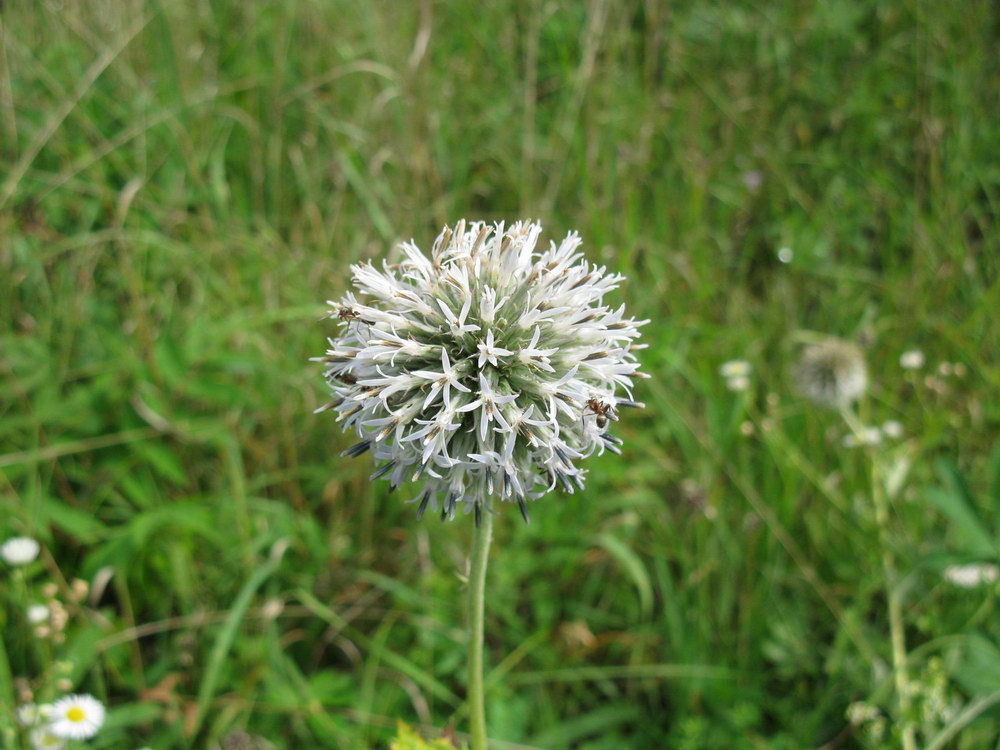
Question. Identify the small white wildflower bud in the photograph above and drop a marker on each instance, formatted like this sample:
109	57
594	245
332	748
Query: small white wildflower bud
832	373
19	550
892	429
865	436
971	576
911	360
37	614
738	383
489	369
735	368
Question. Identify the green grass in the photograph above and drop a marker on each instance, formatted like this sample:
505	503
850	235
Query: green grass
184	184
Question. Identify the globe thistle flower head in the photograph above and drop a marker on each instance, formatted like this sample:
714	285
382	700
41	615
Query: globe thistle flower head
487	370
832	373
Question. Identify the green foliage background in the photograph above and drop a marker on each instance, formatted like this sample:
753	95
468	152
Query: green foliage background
184	184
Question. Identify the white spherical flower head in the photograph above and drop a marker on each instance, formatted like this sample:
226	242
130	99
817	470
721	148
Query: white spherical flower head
833	373
487	370
19	550
76	717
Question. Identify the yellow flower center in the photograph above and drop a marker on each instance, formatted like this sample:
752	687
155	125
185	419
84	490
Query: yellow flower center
76	714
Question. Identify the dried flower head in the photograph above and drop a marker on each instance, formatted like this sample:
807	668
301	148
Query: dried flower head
832	373
487	370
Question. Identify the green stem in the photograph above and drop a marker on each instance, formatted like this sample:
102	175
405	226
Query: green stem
477	597
897	635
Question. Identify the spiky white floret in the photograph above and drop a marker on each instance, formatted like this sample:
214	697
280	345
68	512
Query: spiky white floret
485	370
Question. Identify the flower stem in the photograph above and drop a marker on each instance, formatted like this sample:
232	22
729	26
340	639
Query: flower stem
897	634
477	596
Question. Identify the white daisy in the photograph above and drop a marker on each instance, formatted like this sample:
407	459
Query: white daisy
735	368
42	738
19	550
76	717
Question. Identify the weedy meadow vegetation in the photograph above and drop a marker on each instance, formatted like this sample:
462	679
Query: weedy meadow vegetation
183	185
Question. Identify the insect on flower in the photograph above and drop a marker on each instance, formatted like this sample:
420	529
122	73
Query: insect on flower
603	411
348	313
475	368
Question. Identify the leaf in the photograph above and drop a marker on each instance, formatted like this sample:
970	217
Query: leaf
394	660
955	501
630	561
602	721
162	460
227	635
995	487
979	671
80	525
407	739
133	714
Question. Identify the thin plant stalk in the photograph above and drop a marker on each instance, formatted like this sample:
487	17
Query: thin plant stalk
477	599
897	634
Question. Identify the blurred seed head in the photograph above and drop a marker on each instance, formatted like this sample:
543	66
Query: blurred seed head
487	370
832	373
